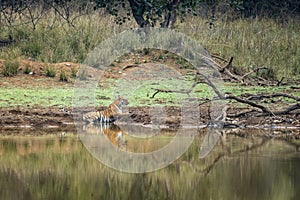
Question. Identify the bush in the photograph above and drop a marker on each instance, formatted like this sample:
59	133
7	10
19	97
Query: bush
32	49
50	72
63	76
10	68
73	73
27	69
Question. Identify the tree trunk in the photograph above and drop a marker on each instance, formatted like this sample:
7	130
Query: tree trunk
138	10
170	14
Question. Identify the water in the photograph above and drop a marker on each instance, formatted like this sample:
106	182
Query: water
58	166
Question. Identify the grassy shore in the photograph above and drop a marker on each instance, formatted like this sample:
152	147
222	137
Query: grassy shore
61	95
252	42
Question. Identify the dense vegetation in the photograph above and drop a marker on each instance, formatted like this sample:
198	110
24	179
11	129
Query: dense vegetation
255	33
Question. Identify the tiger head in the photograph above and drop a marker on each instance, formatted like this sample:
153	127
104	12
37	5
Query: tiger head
119	103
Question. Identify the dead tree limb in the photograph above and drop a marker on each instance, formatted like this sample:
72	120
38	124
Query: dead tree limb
241	114
229	64
218	57
225	70
279	82
253	71
265	96
287	110
206	80
188	91
129	66
251	103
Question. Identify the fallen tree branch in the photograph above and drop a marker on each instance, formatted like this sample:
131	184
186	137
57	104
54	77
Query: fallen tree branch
279	82
253	71
229	64
206	80
251	103
224	70
287	110
188	91
241	114
264	96
218	57
129	66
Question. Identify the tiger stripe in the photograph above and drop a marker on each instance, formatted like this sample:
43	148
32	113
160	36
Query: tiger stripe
107	115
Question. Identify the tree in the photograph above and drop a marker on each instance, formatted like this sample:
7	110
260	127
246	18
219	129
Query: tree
149	12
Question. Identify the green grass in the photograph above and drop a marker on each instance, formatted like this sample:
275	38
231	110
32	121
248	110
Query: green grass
50	71
138	93
237	89
27	69
63	76
44	97
10	68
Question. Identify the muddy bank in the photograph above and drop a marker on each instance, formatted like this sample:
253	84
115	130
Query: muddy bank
54	117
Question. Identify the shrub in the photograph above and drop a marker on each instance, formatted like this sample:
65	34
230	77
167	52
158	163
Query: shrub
50	72
10	68
63	76
160	57
73	73
27	69
32	49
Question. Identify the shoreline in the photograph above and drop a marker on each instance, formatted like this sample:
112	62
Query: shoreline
51	119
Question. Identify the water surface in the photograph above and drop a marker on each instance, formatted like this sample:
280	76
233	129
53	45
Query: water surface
58	166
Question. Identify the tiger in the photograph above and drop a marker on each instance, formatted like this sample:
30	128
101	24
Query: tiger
108	115
113	133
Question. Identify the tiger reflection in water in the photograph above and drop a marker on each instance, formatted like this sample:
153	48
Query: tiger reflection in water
102	121
111	131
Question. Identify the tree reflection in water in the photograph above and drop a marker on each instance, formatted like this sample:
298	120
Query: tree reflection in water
239	167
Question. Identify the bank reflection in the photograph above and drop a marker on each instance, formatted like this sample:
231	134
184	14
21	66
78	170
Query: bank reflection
239	166
135	139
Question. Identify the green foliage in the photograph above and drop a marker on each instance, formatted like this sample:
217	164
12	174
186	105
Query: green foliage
73	73
32	49
148	13
27	69
10	68
50	71
63	76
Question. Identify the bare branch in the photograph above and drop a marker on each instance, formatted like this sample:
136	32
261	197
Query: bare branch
251	103
253	71
288	110
229	64
218	57
188	91
265	96
129	66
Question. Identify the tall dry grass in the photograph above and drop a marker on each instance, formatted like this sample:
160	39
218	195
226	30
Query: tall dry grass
252	42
